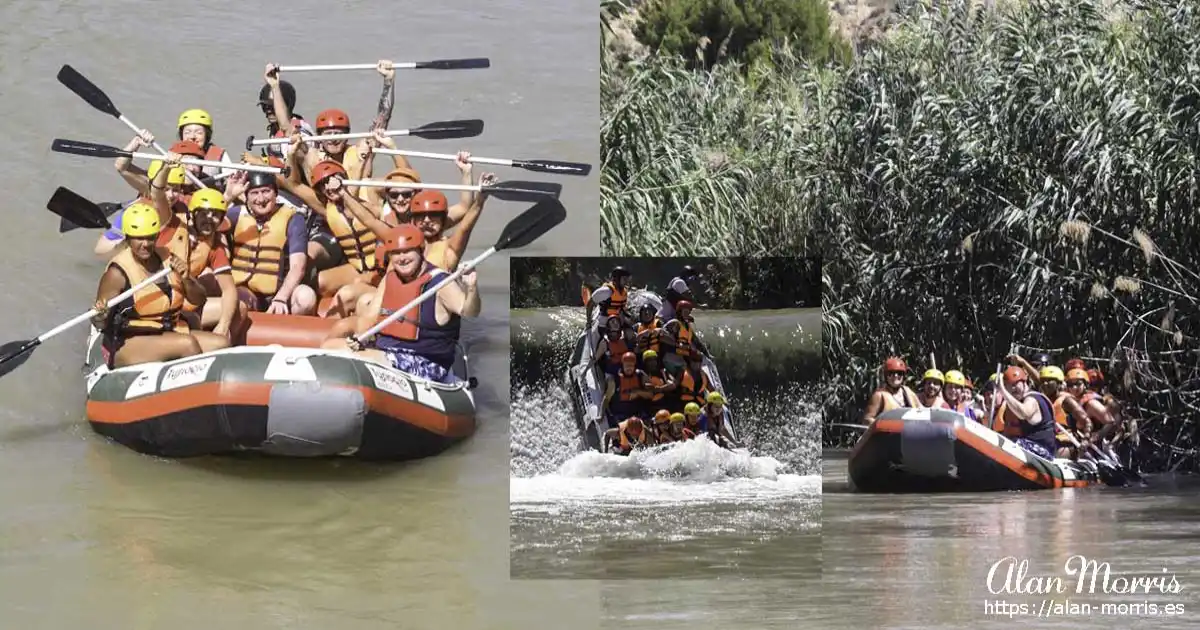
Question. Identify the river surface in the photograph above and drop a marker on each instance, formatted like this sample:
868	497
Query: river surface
922	561
94	536
694	511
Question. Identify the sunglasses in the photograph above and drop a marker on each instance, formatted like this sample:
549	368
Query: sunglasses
1077	384
397	195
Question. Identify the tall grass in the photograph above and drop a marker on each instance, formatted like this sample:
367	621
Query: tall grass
978	178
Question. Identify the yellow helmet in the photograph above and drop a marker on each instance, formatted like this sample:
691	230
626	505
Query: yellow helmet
1051	373
676	417
209	199
691	409
954	377
649	354
140	220
715	397
934	375
175	176
195	117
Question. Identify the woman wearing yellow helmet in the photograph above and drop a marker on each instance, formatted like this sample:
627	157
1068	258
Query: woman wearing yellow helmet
955	395
147	327
713	419
931	390
196	125
691	416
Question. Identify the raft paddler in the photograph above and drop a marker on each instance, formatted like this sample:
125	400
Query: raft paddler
422	342
1068	414
628	435
1024	415
148	327
679	431
196	125
658	380
172	181
694	420
610	348
269	245
931	390
894	394
649	329
625	391
611	298
679	288
693	385
277	100
662	427
715	417
955	395
1100	422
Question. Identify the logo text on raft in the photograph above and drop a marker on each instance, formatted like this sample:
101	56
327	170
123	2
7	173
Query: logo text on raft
188	373
1009	575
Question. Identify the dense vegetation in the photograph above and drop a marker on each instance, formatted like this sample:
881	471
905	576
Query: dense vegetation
976	179
725	283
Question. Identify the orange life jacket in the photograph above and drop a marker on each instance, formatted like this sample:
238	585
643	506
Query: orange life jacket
1060	414
889	401
689	390
418	330
356	240
616	302
626	443
259	257
154	308
629	383
657	381
683	339
617	349
649	342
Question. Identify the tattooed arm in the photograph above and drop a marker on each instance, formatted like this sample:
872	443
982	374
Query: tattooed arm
384	117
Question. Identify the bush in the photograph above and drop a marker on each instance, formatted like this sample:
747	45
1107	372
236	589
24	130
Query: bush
706	32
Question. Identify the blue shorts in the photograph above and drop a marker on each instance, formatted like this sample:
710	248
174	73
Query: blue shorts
1034	447
419	366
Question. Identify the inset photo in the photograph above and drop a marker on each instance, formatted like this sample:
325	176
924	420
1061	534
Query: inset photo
664	418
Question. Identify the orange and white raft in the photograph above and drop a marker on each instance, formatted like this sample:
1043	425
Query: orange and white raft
279	394
938	450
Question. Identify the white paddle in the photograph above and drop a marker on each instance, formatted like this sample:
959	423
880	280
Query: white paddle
508	191
444	130
437	64
91	149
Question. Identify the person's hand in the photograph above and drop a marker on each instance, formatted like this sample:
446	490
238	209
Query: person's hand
384	67
470	279
299	146
221	329
143	139
172	160
278	307
101	308
236	184
354	344
384	141
463	161
271	74
250	158
178	266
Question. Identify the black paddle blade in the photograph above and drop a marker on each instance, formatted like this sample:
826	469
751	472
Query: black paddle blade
87	90
553	166
448	130
531	224
87	149
523	191
14	354
77	209
455	64
108	207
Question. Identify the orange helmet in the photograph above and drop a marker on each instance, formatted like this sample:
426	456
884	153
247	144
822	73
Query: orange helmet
404	174
1077	374
333	119
628	358
324	170
662	416
428	202
187	147
400	238
1075	363
1095	376
895	364
1014	374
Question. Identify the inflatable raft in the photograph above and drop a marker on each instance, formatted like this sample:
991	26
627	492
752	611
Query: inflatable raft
586	386
937	450
278	394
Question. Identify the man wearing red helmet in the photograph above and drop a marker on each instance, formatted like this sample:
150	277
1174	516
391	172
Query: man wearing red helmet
423	341
679	339
629	386
1027	415
894	394
625	437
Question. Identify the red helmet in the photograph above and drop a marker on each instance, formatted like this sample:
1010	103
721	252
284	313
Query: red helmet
628	358
400	238
1076	363
333	119
682	304
187	147
895	364
635	423
1014	374
428	202
324	170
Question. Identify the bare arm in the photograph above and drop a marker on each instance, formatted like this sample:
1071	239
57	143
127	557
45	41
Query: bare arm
456	246
370	316
158	191
365	215
229	301
112	283
460	301
459	210
383	117
1075	410
1035	380
297	265
874	407
1024	410
134	176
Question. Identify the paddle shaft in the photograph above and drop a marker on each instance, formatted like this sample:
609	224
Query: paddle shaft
330	137
382	183
463	270
199	162
161	273
440	156
406	65
158	147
